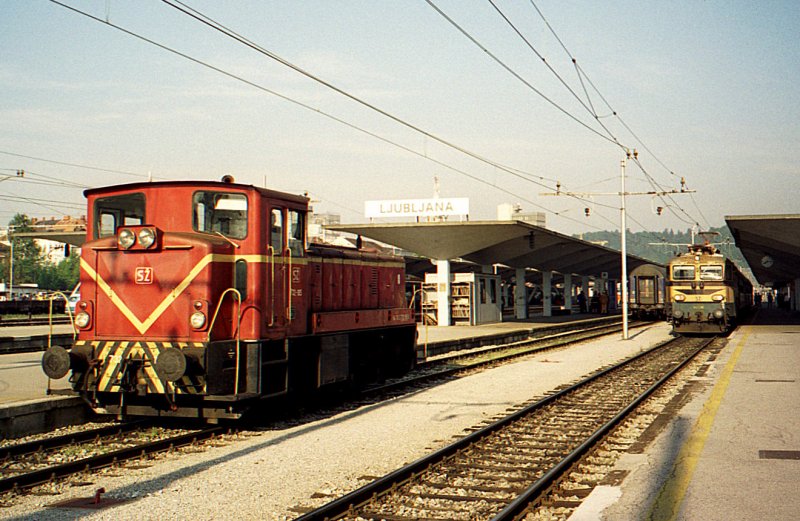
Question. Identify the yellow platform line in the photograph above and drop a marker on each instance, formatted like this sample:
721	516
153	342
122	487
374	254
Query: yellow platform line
669	499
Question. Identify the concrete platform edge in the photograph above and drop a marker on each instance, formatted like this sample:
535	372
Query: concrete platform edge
37	416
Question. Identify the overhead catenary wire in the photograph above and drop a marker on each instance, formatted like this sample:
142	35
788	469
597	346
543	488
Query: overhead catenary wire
31	177
64	163
581	75
589	109
232	34
611	137
492	163
319	111
210	22
514	73
51	205
197	15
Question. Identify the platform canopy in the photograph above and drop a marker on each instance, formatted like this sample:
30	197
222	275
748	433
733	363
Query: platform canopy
770	244
516	244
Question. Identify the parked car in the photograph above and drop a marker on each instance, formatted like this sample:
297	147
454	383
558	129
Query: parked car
72	301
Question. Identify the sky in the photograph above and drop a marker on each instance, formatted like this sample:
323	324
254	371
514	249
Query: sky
491	104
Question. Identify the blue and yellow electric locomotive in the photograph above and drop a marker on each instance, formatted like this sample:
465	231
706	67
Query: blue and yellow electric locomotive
707	292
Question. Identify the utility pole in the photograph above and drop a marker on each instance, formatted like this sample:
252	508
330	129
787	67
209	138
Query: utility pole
11	266
623	225
624	246
10	263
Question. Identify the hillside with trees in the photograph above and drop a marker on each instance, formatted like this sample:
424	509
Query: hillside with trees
661	246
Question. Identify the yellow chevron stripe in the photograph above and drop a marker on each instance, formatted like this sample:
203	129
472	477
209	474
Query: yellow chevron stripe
147	352
143	325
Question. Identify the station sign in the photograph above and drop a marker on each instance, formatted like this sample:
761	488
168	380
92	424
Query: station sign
417	207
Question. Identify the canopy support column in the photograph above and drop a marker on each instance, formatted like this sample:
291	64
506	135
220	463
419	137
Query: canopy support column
547	289
568	292
443	292
520	299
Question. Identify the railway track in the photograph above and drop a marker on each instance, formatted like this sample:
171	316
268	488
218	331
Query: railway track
445	366
26	465
501	471
38	321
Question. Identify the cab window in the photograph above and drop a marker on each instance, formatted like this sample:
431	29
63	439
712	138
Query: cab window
297	232
683	272
713	272
112	212
220	212
276	231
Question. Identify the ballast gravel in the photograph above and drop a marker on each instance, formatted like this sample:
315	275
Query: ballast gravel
274	474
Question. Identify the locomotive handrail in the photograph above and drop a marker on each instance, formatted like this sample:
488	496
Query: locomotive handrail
235	245
238	332
50	315
288	278
271	252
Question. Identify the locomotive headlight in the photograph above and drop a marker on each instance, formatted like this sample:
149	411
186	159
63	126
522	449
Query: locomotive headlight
717	298
197	320
147	236
680	297
82	319
126	238
718	314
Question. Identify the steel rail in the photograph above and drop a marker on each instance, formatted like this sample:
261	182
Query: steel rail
519	506
10	322
37	477
563	339
21	449
349	502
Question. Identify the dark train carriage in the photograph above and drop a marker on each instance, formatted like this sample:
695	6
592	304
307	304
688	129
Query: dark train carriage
201	298
648	295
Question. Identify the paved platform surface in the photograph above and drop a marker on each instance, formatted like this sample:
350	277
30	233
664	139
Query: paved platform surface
733	453
434	334
29	331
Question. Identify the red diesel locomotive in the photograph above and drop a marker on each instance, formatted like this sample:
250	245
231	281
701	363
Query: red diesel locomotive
201	299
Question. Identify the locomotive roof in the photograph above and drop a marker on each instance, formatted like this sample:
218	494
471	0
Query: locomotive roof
198	184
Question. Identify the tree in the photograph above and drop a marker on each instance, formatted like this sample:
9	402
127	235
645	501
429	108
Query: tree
27	255
62	276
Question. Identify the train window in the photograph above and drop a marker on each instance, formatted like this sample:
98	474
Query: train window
113	212
682	272
646	287
276	231
222	212
297	232
712	272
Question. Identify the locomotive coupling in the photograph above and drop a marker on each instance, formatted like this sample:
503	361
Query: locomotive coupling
57	361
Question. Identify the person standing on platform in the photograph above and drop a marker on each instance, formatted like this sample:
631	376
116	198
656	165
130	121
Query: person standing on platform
769	299
603	303
582	301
